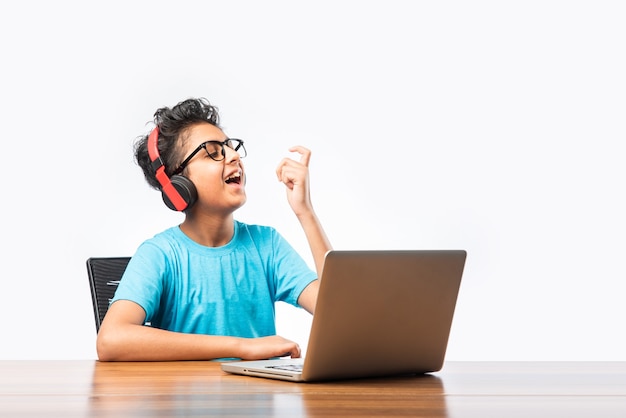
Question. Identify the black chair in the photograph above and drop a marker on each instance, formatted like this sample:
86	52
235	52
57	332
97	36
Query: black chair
104	276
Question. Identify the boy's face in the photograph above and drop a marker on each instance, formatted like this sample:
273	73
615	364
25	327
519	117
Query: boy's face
219	187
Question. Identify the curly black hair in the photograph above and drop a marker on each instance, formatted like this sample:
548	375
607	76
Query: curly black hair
173	123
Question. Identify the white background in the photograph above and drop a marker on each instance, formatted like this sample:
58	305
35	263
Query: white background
494	127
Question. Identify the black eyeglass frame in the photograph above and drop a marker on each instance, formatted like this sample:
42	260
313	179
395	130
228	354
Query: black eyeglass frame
227	143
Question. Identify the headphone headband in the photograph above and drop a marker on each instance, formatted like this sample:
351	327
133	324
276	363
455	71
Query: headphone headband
171	189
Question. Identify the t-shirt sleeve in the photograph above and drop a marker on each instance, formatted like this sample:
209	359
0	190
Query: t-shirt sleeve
291	273
142	281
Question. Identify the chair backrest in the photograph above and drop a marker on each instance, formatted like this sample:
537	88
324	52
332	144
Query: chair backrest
104	275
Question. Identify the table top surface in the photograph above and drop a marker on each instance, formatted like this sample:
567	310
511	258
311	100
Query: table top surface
200	388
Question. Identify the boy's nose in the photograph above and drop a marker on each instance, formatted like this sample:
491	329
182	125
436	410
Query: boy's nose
231	154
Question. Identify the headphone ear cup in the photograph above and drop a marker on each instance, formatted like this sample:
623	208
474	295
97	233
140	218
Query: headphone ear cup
185	188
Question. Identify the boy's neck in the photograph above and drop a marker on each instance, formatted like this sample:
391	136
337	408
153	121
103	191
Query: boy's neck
209	231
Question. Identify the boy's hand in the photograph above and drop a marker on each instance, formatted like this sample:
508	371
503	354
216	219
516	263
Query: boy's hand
295	175
268	347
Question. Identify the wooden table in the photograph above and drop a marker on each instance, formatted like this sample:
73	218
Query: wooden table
197	389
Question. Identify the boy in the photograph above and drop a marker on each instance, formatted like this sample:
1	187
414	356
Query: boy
207	287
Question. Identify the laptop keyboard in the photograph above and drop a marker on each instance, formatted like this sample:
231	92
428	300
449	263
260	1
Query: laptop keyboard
288	367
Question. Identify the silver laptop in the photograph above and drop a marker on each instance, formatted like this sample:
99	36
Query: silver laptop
378	313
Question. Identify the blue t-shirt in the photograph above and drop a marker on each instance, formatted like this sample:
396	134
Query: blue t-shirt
231	290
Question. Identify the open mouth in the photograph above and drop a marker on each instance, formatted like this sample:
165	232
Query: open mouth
234	178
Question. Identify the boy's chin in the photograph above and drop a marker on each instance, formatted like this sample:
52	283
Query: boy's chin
242	202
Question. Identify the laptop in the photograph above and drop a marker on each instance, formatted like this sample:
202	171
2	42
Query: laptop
378	313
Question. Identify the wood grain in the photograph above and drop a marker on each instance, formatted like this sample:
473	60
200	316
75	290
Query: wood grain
197	389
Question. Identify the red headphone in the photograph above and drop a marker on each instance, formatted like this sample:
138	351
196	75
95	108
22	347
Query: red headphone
179	193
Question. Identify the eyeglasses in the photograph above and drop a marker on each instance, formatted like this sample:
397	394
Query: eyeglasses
215	150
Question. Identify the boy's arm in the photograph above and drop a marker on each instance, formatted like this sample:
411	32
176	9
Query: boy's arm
123	337
295	176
